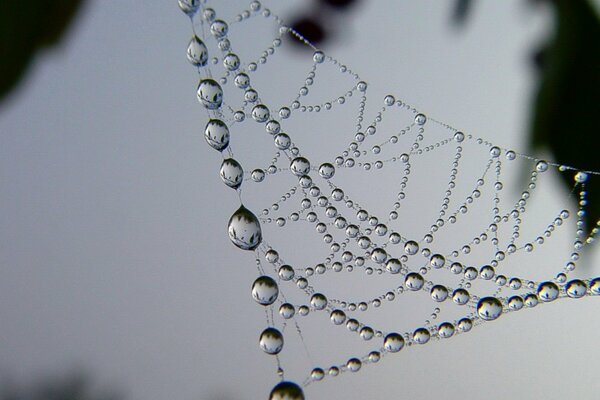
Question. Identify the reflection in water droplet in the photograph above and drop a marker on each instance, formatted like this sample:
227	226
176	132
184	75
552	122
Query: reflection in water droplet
326	170
595	286
260	113
197	53
210	94
445	330
576	288
286	391
231	173
287	311
393	342
300	166
489	308
461	296
515	303
354	364
244	229
190	7
219	28
548	291
318	301
421	336
414	281
439	293
271	341
216	134
265	290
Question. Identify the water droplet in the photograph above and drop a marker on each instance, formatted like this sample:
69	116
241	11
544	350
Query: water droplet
209	14
548	291
197	53
531	300
300	166
242	80
595	286
581	177
461	296
389	100
219	28
216	134
189	7
393	265
420	119
326	170
318	57
411	247
271	341
317	374
414	281
464	325
541	166
487	272
445	330
379	255
318	301
338	317
244	229
421	336
366	333
287	311
265	290
576	288
470	273
393	342
231	173
437	261
231	62
459	137
495	151
354	364
286	391
361	86
515	303
489	308
439	293
282	141
260	113
210	94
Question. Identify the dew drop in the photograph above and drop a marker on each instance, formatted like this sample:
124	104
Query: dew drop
515	303
414	281
461	296
271	341
210	94
216	134
231	173
189	7
260	113
354	364
541	166
287	311
489	308
393	342
420	119
548	291
338	317
244	229
576	288
265	290
318	301
446	330
326	170
197	53
231	62
581	177
286	391
421	335
300	166
439	293
282	141
411	247
219	28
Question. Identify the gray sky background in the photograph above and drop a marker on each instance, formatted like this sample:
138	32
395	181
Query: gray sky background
113	249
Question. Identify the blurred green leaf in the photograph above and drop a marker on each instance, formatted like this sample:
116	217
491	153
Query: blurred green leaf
566	109
26	27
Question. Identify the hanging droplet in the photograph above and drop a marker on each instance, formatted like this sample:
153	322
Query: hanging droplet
260	113
326	170
318	301
393	342
421	336
258	175
541	166
265	290
244	229
420	119
210	94
414	281
300	166
576	288
411	247
439	293
219	28
271	341
489	308
461	296
287	311
216	134
197	53
286	391
189	7
231	173
548	291
445	330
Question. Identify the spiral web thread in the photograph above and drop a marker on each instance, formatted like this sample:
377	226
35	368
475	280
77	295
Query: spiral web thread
465	274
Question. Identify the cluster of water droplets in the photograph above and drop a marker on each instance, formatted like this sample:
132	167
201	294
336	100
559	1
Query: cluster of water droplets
359	240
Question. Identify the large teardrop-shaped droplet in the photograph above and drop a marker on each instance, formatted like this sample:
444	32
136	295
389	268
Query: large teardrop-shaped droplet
286	391
210	94
216	134
271	341
189	6
265	290
232	173
244	229
489	308
197	53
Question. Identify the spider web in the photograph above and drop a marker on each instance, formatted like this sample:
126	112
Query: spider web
386	203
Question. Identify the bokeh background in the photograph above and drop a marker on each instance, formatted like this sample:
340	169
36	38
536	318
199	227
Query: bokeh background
115	268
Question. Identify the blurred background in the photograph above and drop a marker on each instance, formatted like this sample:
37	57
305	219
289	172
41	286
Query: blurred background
116	281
